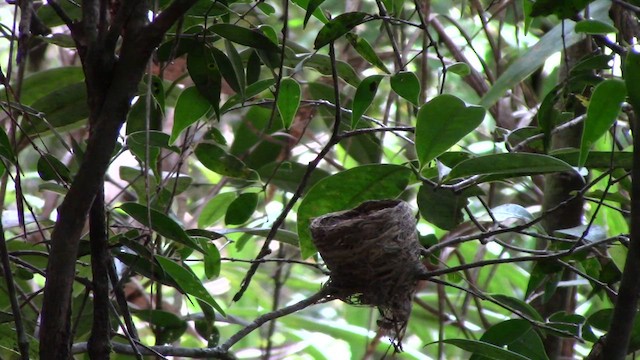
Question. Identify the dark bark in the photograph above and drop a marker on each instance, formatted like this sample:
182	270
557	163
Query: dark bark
110	92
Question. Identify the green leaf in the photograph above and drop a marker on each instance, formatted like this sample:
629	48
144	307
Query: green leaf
322	63
311	8
441	123
50	168
337	27
563	9
537	55
510	164
243	36
61	107
188	281
518	336
149	269
602	112
227	70
485	349
241	209
205	74
288	100
216	159
631	72
212	260
168	326
190	107
284	236
317	13
365	93
518	305
41	83
592	27
237	66
459	68
441	207
362	46
215	209
6	150
346	190
160	223
251	91
287	175
407	85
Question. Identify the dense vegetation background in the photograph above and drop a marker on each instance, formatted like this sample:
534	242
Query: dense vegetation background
162	162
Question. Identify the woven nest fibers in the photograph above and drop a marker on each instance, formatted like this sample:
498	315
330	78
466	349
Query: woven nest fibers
374	256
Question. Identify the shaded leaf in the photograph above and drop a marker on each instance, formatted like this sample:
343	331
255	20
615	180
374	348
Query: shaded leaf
288	100
459	68
594	27
441	207
441	123
510	164
41	83
518	336
251	91
407	85
205	74
160	223
287	175
563	9
631	72
215	209
168	327
362	46
188	281
238	67
61	107
337	27
346	190
365	93
602	112
241	209
216	159
244	36
485	349
284	236
311	8
190	107
50	168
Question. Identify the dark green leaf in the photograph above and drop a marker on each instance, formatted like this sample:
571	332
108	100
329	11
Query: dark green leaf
141	265
441	207
311	8
6	150
362	46
602	112
284	236
61	107
441	123
337	27
160	223
251	91
346	190
216	159
322	64
254	66
518	305
288	100
211	261
168	326
191	107
241	209
205	74
188	281
518	336
509	164
41	83
407	85
485	349
563	9
287	175
631	74
364	96
228	71
50	168
238	67
244	36
215	209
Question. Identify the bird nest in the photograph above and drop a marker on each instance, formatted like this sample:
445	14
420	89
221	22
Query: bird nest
373	254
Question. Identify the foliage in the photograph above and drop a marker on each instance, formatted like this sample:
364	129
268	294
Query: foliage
254	118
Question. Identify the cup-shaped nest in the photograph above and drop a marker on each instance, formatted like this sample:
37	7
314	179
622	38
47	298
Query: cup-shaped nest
373	254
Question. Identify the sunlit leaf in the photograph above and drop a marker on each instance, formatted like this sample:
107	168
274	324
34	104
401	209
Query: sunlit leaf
441	123
346	190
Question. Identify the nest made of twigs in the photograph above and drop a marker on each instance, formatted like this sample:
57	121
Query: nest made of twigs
373	254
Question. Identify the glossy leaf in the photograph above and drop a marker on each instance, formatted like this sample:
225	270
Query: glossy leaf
346	190
215	209
188	281
243	36
362	46
509	164
191	107
365	93
160	223
337	27
288	100
216	159
441	123
241	209
407	85
602	112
